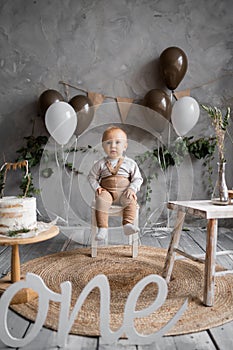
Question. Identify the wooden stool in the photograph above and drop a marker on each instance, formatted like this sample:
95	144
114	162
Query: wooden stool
115	210
203	209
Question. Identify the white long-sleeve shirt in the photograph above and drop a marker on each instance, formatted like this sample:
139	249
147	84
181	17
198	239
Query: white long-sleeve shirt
128	168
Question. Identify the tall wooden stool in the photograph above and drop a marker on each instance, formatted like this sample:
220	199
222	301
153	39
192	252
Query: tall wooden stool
115	210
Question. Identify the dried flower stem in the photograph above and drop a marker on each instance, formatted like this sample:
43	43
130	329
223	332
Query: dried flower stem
220	124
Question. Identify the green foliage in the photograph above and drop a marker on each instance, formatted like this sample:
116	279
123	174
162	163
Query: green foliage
162	158
201	148
70	167
48	171
29	186
31	152
82	149
14	233
33	149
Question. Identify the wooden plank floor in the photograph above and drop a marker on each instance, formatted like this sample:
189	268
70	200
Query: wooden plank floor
192	240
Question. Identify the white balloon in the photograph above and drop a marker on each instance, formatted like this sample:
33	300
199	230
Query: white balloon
61	121
185	114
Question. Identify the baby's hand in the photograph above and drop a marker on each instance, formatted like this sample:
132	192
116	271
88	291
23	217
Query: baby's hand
99	191
129	193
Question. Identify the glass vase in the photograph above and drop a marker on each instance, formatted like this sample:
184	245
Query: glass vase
220	193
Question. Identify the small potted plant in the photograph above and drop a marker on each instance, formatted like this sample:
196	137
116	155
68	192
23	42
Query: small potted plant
220	123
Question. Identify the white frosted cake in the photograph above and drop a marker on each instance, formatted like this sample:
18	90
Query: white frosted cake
17	214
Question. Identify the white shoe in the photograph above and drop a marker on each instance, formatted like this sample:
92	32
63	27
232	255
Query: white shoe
101	234
130	229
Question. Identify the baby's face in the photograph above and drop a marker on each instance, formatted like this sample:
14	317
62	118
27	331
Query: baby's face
115	144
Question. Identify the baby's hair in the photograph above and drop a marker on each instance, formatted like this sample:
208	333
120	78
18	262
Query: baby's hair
110	129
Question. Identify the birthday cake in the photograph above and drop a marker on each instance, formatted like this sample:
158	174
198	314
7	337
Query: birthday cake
17	215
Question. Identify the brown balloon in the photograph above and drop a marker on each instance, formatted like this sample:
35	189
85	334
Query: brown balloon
159	101
174	64
85	112
47	98
80	102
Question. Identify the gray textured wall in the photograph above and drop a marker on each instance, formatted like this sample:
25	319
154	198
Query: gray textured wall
110	47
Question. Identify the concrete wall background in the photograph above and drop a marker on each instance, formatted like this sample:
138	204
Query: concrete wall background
110	47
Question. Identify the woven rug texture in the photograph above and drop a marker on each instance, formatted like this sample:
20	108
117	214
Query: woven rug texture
123	272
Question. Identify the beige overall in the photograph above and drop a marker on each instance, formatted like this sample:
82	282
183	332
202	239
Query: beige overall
114	186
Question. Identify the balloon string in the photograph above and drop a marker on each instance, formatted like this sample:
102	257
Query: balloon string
148	221
173	94
168	188
167	180
71	180
56	157
66	203
60	173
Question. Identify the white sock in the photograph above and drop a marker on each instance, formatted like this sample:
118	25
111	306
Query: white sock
101	234
130	229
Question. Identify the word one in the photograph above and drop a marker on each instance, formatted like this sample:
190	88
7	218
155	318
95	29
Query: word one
67	318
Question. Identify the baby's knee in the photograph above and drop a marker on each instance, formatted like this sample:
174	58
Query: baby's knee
104	197
124	201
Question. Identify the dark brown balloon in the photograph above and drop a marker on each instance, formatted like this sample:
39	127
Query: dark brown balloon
47	98
85	112
159	101
174	64
80	102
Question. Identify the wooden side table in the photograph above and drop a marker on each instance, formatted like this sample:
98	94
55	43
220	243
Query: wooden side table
15	260
204	209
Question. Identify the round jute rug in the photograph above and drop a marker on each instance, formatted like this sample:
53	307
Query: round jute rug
123	273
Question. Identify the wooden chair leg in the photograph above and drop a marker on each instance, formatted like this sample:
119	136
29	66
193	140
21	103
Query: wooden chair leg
134	239
170	258
93	234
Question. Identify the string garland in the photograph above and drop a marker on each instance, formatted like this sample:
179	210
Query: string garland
81	89
66	85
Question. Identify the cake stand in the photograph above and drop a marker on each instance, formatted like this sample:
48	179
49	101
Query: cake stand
25	294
